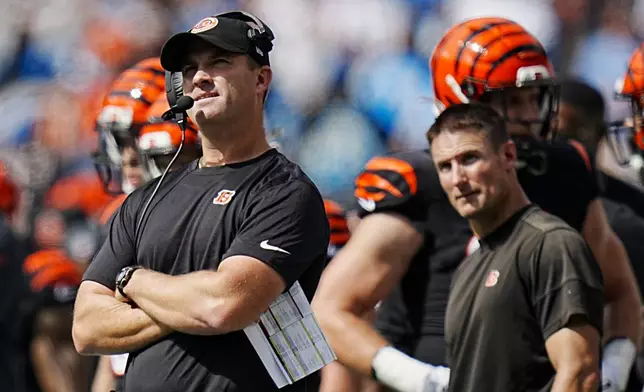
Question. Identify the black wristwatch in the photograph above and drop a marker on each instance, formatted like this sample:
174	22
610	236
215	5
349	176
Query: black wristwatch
123	278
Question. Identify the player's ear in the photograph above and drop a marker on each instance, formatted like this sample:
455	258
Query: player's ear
509	155
264	78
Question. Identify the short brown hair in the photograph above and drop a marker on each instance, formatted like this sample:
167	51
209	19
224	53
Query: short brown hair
471	116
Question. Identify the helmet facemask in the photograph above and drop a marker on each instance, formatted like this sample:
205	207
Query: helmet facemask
626	137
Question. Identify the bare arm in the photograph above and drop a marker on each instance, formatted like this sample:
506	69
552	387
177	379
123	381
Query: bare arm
103	378
57	366
361	274
49	372
104	325
208	302
574	353
621	290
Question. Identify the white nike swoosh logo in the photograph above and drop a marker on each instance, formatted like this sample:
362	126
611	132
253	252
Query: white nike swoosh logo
367	204
267	246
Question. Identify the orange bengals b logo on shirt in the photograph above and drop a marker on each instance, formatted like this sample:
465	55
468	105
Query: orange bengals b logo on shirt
223	197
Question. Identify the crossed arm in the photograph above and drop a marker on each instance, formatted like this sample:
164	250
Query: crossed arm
199	303
104	325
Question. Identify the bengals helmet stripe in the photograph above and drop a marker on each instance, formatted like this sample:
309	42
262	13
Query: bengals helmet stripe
371	180
155	72
510	54
397	165
386	176
337	223
473	35
489	45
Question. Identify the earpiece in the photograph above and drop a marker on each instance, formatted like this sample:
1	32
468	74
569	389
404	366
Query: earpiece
173	87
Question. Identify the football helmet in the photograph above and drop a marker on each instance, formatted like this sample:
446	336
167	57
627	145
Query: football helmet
486	55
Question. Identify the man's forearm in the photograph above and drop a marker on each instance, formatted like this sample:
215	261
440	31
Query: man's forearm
575	381
622	298
48	371
185	303
353	339
113	327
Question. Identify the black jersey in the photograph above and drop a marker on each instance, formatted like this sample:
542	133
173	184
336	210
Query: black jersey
407	184
558	177
198	218
621	192
527	280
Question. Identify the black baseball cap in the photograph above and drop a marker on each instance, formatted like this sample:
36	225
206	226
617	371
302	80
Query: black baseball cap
237	32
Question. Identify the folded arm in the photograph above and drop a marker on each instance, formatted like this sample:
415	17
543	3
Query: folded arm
104	325
208	302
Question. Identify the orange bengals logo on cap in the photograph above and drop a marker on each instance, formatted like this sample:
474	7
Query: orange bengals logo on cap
205	24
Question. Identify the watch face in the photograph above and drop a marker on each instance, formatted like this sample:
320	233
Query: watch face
120	276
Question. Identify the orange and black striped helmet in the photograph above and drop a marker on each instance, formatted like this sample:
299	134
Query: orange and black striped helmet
483	55
49	268
630	87
124	111
125	107
339	227
160	139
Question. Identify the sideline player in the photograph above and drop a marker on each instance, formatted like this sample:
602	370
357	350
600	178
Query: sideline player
409	265
623	156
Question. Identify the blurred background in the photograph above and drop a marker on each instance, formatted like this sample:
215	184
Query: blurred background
351	80
351	77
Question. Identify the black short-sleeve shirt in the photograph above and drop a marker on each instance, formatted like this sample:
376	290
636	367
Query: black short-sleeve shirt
527	280
265	208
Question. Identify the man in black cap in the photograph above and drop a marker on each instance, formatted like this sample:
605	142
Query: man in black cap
220	241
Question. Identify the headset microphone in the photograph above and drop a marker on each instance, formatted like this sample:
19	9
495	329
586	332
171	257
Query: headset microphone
184	103
178	113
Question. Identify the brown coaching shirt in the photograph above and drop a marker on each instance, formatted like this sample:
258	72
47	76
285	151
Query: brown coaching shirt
527	280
